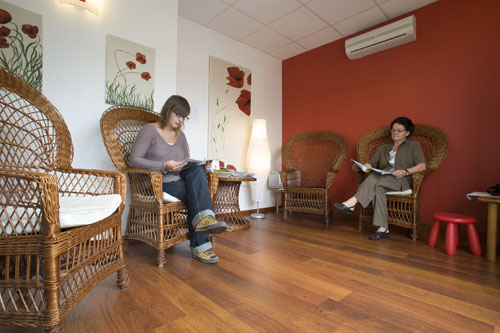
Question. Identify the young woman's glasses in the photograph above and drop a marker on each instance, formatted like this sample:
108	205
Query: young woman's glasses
184	118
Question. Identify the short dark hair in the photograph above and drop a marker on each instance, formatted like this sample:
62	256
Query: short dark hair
406	122
174	103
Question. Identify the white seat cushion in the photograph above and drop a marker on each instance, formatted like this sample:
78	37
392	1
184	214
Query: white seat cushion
78	211
405	192
169	198
73	212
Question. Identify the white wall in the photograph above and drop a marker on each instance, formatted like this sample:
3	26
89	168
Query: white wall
195	45
74	53
74	56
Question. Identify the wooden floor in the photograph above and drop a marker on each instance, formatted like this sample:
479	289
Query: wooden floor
298	277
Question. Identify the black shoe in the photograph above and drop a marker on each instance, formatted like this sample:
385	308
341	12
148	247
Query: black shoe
379	235
343	208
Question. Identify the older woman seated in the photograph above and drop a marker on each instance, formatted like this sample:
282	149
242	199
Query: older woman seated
402	158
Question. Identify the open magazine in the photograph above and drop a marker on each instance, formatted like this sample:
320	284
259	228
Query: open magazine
366	169
190	162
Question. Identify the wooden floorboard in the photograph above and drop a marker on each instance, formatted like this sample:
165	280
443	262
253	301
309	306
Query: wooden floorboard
298	276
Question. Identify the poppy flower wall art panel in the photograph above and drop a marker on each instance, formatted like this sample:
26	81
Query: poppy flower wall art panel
129	73
21	43
229	111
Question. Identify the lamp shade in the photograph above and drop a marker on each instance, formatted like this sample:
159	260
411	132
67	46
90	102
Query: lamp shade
259	159
90	5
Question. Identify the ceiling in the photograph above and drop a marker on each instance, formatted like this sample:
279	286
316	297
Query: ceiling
285	28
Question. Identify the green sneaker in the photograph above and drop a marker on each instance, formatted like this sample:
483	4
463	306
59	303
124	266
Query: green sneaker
206	257
209	225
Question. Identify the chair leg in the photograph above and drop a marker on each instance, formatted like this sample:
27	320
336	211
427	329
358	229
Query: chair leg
161	259
451	238
54	329
122	278
474	245
414	233
434	235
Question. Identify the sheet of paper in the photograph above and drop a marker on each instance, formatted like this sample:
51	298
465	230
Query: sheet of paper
477	194
365	169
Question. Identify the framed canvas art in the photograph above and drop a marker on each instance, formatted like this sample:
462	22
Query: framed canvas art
129	73
229	111
21	43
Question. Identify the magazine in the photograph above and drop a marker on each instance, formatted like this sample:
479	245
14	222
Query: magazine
366	169
190	162
229	173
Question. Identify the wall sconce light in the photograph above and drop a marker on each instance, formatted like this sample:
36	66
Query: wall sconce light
258	162
90	5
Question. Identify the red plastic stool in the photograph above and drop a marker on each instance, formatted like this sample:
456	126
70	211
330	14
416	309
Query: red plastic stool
452	232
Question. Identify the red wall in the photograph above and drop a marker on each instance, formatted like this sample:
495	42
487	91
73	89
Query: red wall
449	78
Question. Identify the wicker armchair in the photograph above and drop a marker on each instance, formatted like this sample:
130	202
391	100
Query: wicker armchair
46	270
312	160
403	210
150	220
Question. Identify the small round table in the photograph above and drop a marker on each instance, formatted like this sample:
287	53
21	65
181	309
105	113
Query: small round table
226	203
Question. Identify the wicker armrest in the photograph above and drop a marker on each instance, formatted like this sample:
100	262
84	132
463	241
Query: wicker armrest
90	181
35	191
150	183
213	183
330	175
146	183
284	177
417	182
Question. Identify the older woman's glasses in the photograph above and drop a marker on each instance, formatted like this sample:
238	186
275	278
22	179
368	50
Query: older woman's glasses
394	130
184	118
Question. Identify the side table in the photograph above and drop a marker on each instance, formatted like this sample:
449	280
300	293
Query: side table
491	240
277	195
226	203
493	217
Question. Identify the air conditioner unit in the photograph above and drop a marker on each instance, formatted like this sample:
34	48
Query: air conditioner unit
383	38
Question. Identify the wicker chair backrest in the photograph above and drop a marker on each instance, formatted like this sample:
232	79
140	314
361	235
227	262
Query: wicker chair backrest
314	154
34	136
119	128
434	143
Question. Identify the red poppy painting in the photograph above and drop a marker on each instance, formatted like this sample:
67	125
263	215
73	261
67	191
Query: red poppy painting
243	101
235	77
129	73
30	30
21	43
229	111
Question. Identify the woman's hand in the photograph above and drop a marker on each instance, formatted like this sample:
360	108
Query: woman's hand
356	168
399	173
208	166
173	165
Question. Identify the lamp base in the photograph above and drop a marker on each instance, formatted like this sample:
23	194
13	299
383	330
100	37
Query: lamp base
257	215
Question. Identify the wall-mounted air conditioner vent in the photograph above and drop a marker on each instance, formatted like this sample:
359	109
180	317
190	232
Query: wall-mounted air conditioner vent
383	38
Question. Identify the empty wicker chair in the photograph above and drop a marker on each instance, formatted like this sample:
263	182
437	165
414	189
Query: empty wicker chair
150	220
45	268
312	160
403	209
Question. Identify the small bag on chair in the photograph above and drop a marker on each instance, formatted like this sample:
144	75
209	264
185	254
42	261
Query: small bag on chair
494	190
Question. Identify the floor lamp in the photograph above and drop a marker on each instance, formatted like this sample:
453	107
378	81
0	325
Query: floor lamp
258	162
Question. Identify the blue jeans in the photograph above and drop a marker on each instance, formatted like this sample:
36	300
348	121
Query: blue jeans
192	188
